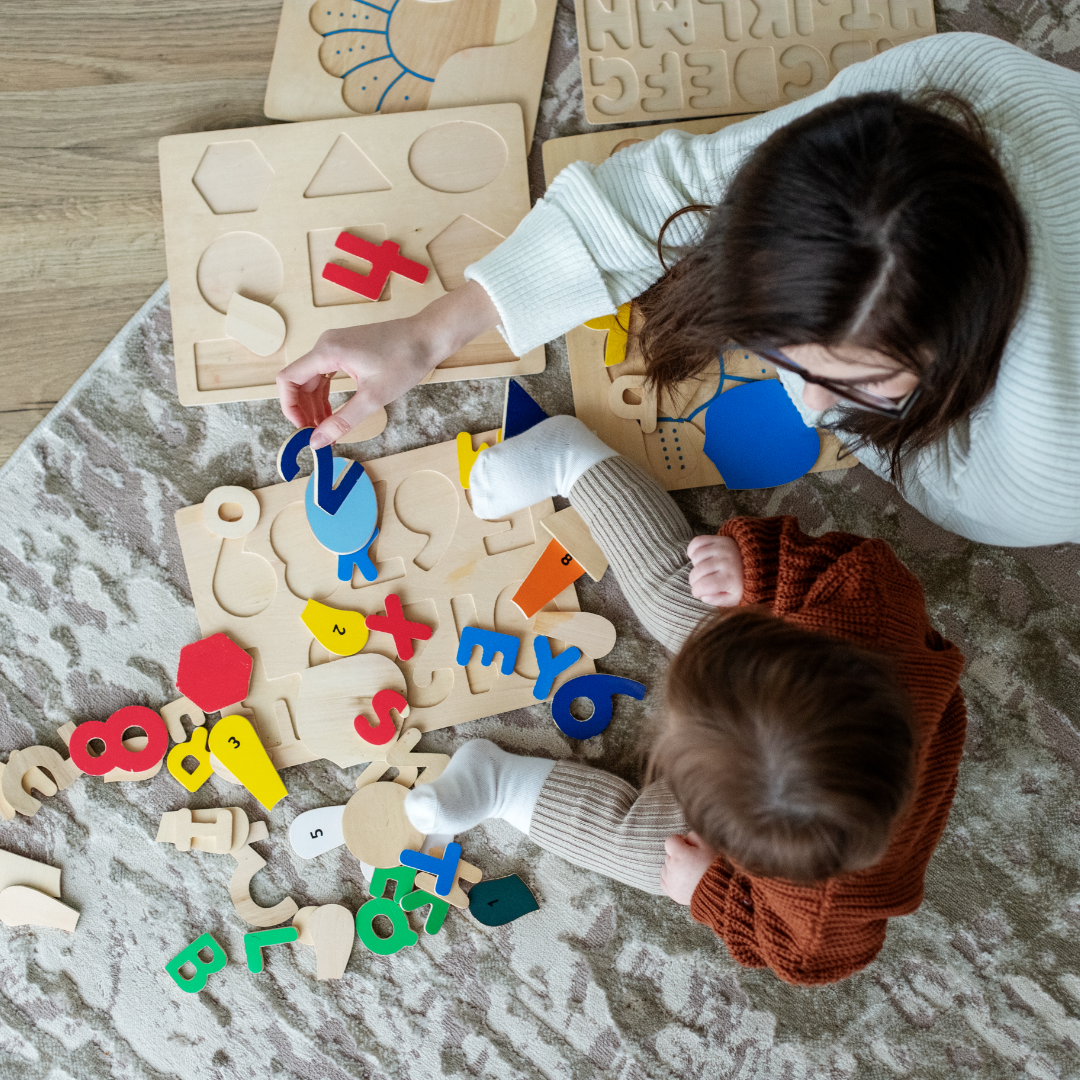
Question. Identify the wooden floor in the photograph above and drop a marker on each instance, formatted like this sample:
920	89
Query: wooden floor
86	91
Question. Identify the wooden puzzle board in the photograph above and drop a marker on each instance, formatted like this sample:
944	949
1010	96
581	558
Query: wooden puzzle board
447	186
661	59
302	88
592	381
449	568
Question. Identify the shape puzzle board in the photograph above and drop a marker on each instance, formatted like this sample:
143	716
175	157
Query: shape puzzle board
592	381
421	55
258	210
661	59
450	569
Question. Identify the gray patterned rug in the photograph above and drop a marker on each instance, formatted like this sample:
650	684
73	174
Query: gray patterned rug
983	981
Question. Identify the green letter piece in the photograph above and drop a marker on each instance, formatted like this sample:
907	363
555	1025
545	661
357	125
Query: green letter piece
402	936
497	902
403	877
257	940
203	968
436	915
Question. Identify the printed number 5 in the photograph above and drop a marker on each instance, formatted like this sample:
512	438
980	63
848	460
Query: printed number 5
316	834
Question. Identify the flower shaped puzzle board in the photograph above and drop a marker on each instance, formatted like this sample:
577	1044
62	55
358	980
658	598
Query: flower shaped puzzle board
352	57
449	568
661	59
612	400
260	211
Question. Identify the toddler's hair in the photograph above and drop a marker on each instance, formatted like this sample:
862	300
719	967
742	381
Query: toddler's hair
789	751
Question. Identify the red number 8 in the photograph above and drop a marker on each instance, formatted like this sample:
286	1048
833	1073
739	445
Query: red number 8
111	733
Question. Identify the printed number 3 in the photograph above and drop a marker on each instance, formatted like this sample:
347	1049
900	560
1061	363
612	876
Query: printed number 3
234	741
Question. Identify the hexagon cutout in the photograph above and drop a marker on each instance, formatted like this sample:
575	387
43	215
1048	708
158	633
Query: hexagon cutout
461	243
233	177
214	673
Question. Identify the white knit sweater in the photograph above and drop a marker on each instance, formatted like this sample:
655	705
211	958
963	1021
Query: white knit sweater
1009	475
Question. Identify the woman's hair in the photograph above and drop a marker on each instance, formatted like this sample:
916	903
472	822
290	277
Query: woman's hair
875	221
789	751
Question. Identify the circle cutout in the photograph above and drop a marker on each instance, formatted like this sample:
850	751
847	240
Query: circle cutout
240	262
458	156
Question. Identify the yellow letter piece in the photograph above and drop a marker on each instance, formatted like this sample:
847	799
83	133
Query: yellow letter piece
616	325
340	632
196	749
235	744
466	456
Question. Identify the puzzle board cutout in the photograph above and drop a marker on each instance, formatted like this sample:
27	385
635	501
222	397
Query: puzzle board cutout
450	569
257	211
662	59
435	56
592	381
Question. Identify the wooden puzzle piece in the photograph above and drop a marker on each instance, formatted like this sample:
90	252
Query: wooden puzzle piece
21	905
600	691
491	644
554	570
551	666
570	529
330	930
401	936
35	778
236	744
384	731
501	900
520	412
401	629
248	864
216	829
340	632
467	456
400	755
116	754
257	940
230	511
375	825
617	327
19	870
23	768
592	634
352	526
465	872
642	403
418	898
134	744
258	327
214	672
317	831
385	259
443	866
195	748
203	968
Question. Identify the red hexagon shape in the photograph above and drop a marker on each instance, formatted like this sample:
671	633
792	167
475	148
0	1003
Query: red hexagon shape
213	673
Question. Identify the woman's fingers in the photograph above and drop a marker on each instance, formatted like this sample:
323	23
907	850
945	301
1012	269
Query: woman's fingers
332	427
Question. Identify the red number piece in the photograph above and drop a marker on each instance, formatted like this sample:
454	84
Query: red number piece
385	258
384	731
395	624
111	733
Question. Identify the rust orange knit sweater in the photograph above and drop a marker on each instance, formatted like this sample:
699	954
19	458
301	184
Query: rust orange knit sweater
855	589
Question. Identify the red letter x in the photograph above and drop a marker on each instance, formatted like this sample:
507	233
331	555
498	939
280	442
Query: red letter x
395	623
385	258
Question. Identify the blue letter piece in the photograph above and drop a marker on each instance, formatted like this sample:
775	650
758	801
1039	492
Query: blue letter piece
550	666
490	643
599	689
444	869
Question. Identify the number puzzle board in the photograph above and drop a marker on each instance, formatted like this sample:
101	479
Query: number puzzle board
258	210
449	568
419	55
661	59
594	384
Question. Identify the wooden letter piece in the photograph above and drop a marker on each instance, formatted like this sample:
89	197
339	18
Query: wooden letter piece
467	456
570	529
173	712
257	940
491	643
248	864
34	778
330	930
194	748
21	905
395	624
19	870
21	763
600	690
218	830
203	968
465	871
550	666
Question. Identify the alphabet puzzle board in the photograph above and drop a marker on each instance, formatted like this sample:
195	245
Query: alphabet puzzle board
449	568
634	429
661	59
384	56
258	211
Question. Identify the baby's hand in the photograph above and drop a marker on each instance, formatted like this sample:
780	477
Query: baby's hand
717	576
688	857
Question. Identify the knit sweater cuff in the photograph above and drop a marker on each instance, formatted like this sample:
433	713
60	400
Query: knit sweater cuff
539	280
759	545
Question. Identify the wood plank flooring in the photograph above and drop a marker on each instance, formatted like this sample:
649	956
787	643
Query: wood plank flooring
83	101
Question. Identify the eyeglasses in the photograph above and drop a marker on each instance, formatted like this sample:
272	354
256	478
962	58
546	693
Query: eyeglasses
861	399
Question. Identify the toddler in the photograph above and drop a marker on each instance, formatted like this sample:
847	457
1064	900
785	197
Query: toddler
813	726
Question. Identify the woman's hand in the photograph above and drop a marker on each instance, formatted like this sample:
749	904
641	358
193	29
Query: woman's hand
385	359
688	857
717	576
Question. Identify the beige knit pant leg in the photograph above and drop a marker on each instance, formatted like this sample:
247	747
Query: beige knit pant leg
644	536
602	823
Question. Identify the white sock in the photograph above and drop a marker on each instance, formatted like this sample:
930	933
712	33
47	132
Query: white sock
480	782
546	460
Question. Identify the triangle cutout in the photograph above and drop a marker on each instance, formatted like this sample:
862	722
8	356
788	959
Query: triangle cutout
347	170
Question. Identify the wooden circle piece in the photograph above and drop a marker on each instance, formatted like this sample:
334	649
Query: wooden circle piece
240	262
222	496
375	825
458	156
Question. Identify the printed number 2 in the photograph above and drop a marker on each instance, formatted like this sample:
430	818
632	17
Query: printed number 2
339	630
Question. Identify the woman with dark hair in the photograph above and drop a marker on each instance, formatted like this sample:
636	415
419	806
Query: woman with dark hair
902	245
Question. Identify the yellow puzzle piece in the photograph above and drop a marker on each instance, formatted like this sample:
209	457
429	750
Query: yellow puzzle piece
195	748
466	456
235	744
616	325
340	632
